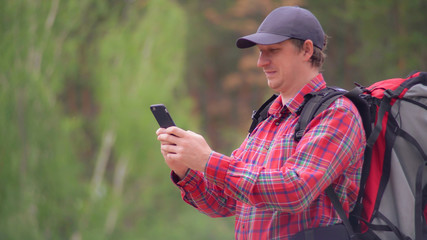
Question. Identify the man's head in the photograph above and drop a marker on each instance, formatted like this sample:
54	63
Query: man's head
286	23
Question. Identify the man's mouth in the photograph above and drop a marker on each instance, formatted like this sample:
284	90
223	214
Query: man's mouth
269	73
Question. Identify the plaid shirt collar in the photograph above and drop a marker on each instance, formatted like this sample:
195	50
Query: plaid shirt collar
293	105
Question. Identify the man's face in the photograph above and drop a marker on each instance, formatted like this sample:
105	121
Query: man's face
282	64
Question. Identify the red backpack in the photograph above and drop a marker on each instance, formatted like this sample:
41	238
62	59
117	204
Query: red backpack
392	201
393	193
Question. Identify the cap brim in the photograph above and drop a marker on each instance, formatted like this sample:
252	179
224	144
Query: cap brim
260	38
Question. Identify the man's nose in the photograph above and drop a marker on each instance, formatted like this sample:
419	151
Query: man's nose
262	60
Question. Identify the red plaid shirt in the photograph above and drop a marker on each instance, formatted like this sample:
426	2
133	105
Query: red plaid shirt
275	186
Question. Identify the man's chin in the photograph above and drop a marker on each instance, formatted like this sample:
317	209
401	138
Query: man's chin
271	84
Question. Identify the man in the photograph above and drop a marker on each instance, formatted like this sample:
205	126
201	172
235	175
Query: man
273	185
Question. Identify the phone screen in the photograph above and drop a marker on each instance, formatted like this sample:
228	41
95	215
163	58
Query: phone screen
162	115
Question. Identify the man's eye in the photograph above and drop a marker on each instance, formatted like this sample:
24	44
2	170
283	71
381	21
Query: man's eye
272	50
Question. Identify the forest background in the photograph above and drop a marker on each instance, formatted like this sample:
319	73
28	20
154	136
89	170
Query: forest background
78	152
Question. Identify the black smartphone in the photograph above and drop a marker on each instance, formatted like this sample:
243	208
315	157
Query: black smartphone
162	115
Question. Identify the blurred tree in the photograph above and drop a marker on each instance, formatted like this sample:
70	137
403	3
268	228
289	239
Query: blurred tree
80	158
39	171
138	59
371	41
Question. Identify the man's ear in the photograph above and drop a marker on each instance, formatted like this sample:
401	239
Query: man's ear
308	49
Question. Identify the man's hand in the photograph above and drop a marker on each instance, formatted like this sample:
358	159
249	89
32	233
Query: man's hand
179	168
183	149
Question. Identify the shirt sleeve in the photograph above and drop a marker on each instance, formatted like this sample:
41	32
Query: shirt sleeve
204	196
330	150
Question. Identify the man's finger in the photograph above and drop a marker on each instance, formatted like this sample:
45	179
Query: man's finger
160	131
178	132
168	148
168	138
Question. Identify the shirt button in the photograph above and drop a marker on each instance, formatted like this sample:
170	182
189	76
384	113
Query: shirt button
277	123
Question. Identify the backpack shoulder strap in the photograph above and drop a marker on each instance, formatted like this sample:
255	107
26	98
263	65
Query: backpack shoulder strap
330	192
362	106
315	103
262	113
356	96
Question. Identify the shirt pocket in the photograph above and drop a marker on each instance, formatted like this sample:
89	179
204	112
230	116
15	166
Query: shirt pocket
256	151
281	149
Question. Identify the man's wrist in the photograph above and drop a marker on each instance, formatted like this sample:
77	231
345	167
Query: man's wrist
180	174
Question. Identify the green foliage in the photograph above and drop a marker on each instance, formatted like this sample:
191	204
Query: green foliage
39	165
80	158
136	65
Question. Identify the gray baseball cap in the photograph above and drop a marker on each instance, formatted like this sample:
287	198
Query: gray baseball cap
284	23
